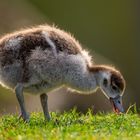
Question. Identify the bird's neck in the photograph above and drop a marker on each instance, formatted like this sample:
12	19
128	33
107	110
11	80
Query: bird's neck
85	82
89	79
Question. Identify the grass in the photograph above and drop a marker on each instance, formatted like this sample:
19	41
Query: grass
72	125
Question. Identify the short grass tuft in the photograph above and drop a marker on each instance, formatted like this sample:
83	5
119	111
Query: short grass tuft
72	125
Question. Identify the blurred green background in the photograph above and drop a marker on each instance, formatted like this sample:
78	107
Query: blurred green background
110	30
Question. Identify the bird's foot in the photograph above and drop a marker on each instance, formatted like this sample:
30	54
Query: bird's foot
25	117
47	118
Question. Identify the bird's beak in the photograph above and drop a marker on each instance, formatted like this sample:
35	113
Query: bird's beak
117	104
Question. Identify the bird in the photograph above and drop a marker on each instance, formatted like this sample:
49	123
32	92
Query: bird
39	59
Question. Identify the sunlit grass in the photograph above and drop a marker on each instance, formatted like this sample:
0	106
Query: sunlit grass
72	125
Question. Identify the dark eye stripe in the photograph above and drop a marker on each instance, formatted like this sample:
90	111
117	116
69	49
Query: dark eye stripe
117	81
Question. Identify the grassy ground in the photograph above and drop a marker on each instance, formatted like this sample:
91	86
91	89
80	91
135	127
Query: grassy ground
72	125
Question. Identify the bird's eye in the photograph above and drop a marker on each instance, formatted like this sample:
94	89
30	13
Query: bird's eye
105	82
114	87
119	102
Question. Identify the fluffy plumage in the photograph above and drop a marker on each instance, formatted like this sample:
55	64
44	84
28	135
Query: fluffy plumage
28	56
40	59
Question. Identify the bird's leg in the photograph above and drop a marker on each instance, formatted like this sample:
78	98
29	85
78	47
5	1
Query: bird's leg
20	97
44	103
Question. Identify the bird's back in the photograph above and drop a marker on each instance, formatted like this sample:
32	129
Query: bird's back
27	40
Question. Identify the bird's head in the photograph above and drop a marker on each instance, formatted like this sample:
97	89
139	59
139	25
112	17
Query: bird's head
112	84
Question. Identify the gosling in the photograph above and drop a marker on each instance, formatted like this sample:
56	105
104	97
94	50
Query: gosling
40	59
